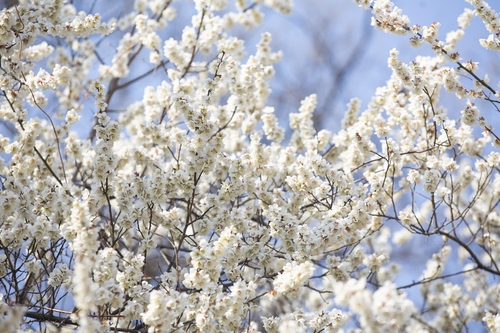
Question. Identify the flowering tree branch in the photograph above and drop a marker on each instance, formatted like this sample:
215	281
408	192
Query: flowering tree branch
187	210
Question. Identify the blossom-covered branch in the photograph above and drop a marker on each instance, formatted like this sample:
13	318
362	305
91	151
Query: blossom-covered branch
190	209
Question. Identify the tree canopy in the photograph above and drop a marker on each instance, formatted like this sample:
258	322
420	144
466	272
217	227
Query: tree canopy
190	209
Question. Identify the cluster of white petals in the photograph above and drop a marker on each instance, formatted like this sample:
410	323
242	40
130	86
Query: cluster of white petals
491	22
387	17
293	276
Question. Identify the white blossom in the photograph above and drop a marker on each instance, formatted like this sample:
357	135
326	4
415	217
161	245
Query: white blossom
294	276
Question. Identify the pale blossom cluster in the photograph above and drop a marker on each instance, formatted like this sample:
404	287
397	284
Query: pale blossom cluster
491	22
387	17
384	310
294	276
298	321
493	321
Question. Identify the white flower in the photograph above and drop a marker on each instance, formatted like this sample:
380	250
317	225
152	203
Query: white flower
430	180
294	275
414	177
492	321
390	306
442	191
470	114
282	6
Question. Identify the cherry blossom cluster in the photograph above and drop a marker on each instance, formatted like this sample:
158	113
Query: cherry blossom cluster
190	209
491	22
